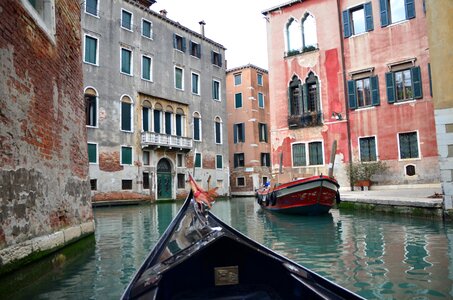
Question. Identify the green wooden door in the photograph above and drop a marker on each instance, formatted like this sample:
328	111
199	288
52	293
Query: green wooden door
164	184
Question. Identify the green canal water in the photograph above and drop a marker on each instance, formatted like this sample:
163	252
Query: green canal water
377	256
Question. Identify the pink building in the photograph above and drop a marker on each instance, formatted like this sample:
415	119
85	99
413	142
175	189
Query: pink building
358	73
248	128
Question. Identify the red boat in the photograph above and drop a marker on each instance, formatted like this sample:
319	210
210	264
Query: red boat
309	196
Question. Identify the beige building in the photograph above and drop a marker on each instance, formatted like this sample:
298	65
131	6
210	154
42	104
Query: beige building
247	90
440	34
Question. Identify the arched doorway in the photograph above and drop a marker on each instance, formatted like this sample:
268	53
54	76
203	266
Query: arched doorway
164	184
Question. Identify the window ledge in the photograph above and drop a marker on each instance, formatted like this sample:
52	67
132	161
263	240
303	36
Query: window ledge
359	34
405	102
365	108
91	15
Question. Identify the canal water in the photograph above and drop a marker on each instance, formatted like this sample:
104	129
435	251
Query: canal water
377	256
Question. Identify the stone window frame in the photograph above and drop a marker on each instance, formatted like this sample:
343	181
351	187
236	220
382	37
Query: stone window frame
150	29
85	35
44	16
132	20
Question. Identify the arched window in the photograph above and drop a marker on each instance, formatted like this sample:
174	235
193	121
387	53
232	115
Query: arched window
218	130
157	114
196	126
91	107
293	35
180	121
309	31
311	98
295	97
146	116
168	120
126	113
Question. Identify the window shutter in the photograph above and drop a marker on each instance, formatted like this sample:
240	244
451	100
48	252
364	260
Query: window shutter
183	44
145	116
220	60
219	162
289	95
212	57
389	81
178	125
125	116
373	149
346	24
375	90
157	121
417	82
175	43
352	99
384	13
235	130
368	17
196	129
304	89
243	132
199	50
430	80
92	153
217	133
265	133
410	9
168	122
126	156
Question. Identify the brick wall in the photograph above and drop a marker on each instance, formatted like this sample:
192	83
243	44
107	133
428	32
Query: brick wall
43	149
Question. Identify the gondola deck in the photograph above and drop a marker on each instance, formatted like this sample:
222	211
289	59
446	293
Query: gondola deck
200	257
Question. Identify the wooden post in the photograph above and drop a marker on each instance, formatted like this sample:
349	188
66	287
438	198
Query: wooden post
332	158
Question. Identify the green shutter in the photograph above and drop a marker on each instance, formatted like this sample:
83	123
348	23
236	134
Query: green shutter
430	80
374	81
352	99
410	9
125	61
157	121
183	44
175	43
92	153
384	12
417	82
217	133
219	162
178	125
90	50
390	85
238	100
243	132
304	90
346	24
265	132
126	156
168	122
126	116
146	68
299	158
368	16
145	116
196	129
235	132
197	160
373	149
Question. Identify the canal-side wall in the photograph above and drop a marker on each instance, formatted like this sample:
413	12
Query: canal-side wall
45	195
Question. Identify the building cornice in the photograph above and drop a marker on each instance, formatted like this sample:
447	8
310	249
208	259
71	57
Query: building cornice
248	66
164	18
280	6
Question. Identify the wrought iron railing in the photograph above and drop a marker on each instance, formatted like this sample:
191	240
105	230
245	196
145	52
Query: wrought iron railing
309	119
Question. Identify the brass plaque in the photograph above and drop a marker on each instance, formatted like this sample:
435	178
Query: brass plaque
226	275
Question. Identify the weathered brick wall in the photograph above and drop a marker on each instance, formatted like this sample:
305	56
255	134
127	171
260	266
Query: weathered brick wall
43	150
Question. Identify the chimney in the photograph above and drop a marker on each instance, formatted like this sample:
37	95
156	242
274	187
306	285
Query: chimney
202	23
163	12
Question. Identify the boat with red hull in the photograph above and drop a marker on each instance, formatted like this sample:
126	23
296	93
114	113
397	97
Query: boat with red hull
308	196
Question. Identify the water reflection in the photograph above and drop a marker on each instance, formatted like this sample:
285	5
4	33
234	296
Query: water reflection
377	256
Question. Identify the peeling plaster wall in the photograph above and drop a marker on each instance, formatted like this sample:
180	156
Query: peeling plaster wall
43	151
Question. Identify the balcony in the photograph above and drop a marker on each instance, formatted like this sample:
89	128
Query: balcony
310	119
158	140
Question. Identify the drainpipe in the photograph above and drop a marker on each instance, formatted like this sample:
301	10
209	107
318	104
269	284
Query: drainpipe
345	87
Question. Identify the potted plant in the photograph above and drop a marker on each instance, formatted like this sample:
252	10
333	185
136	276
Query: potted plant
361	173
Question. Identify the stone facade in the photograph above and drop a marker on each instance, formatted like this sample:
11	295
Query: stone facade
248	128
359	75
45	197
440	32
149	82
